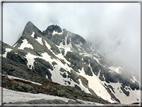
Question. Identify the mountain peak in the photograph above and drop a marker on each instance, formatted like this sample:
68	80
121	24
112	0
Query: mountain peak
29	28
52	28
29	23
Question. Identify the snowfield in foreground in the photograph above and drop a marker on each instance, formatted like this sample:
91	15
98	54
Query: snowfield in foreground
15	96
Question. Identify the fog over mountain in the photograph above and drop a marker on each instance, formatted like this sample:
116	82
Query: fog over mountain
112	28
60	63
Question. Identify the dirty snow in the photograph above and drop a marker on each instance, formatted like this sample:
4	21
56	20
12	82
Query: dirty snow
25	44
7	50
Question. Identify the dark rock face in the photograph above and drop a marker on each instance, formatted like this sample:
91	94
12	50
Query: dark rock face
75	60
60	92
125	92
45	63
54	48
19	57
73	56
41	68
29	28
62	70
87	70
10	67
135	86
3	46
84	80
54	63
57	39
51	28
127	82
74	77
77	39
111	88
76	86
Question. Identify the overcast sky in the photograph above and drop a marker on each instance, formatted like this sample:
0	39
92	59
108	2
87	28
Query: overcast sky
113	27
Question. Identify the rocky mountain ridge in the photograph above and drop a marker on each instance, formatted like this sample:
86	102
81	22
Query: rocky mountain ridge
57	56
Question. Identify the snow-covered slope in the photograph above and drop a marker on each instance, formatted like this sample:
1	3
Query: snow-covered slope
66	58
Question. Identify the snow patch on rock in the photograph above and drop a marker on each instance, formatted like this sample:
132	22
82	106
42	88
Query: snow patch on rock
47	45
25	44
32	35
66	47
30	57
39	40
7	50
54	32
79	47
